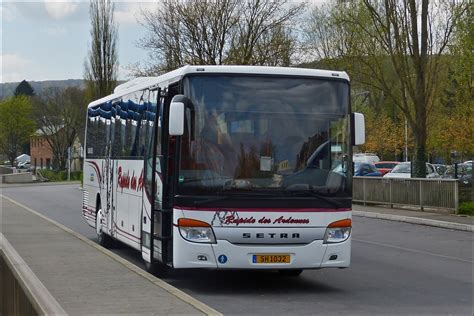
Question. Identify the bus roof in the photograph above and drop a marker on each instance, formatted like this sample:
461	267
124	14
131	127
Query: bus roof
175	75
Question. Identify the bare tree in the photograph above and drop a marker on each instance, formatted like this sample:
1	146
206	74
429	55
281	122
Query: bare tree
263	35
60	116
398	46
101	66
212	32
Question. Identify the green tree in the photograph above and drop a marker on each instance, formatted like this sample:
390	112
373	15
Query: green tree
16	125
101	66
60	115
395	47
24	88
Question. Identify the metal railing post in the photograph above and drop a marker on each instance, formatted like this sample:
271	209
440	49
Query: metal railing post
363	191
456	197
390	192
421	195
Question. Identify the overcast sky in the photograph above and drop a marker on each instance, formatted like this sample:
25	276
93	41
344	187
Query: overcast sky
49	40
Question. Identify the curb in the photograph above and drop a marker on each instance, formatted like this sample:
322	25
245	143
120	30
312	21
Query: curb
156	281
416	220
32	184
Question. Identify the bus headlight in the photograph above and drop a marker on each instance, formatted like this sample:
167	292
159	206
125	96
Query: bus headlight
196	231
338	231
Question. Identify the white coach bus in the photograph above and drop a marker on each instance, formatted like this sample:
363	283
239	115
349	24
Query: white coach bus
225	167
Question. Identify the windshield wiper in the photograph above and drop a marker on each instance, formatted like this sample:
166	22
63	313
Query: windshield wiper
310	193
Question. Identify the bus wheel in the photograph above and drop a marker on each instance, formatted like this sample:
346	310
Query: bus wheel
291	273
103	239
157	269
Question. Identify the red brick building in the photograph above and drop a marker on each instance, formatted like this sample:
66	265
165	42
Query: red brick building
41	153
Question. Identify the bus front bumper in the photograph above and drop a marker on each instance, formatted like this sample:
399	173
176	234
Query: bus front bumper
225	255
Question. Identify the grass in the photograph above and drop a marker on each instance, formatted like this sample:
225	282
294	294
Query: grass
61	175
466	208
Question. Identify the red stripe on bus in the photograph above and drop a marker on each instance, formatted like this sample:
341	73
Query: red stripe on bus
266	209
97	170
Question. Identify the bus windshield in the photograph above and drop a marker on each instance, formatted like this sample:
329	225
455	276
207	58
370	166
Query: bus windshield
265	135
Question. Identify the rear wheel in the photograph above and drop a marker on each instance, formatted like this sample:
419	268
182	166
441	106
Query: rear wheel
103	239
291	273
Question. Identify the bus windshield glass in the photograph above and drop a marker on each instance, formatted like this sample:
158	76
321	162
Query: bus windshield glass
265	135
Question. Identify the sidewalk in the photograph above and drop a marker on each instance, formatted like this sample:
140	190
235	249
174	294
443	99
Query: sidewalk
85	278
443	220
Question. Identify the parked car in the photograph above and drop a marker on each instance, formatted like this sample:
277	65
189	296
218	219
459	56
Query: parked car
365	157
363	169
464	175
25	165
403	170
386	166
440	169
464	172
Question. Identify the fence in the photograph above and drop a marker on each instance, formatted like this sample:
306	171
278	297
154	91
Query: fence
433	193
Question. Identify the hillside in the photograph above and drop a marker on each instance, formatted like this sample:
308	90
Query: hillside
7	89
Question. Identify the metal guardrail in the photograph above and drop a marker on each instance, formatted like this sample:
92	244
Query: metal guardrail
433	193
21	292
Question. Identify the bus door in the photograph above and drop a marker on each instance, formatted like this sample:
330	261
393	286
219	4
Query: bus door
109	207
162	212
150	120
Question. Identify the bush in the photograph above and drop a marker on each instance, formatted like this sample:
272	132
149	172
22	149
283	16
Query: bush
466	208
61	175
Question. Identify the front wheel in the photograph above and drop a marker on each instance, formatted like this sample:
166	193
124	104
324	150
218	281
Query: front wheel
103	239
291	273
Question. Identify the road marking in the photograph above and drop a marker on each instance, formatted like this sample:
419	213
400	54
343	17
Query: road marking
158	282
412	250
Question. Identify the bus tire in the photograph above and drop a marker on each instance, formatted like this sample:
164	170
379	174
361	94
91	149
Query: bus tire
291	272
102	238
157	269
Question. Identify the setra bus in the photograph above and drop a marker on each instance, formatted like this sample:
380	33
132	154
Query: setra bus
225	167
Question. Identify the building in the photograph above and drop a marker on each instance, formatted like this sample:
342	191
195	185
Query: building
42	154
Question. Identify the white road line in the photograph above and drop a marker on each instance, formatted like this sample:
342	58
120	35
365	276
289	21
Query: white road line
411	250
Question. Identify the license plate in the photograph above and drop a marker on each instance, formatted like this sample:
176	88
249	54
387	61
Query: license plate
270	258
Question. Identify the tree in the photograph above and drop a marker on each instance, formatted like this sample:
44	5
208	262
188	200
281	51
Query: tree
24	88
396	48
454	117
211	32
101	66
60	115
16	125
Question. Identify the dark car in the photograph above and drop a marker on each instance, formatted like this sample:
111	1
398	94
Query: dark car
464	175
362	169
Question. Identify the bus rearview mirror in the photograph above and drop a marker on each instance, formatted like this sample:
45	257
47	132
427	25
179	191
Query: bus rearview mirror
176	122
358	129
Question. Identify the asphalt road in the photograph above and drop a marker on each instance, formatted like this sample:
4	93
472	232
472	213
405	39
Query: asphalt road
397	268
